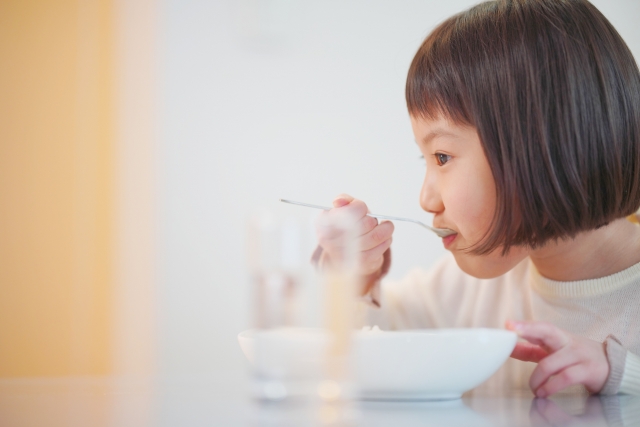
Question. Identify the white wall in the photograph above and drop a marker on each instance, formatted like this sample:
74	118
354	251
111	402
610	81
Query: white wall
263	99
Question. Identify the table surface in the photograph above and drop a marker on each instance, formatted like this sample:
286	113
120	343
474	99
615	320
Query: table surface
110	401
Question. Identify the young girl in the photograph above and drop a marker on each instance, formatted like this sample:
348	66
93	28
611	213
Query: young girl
527	113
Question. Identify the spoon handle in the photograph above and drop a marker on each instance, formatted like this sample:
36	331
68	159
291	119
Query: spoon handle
441	232
326	208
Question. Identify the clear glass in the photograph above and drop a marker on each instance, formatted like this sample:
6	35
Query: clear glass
278	253
276	265
299	356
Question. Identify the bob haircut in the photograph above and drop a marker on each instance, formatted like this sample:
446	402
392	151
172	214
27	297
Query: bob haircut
554	94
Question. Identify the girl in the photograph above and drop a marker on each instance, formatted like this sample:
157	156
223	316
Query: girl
527	113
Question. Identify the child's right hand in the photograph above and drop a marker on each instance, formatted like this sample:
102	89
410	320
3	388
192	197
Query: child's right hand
373	241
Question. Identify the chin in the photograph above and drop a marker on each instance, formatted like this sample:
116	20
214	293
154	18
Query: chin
487	266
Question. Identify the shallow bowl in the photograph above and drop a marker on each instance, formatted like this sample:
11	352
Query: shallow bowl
427	364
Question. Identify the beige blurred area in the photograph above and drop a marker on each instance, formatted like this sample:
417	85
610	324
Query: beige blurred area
76	156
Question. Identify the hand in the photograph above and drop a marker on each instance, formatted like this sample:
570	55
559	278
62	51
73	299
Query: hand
373	238
563	359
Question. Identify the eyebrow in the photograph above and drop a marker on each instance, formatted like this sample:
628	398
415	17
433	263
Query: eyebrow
435	134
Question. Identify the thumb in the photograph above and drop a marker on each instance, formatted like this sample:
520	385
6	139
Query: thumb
342	200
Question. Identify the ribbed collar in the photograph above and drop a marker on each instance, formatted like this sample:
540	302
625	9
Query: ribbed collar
584	288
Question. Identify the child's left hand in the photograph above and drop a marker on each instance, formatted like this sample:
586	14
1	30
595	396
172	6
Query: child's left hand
563	359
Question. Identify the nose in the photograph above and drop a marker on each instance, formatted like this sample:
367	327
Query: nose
430	198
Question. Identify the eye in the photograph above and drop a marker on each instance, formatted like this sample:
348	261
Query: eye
441	159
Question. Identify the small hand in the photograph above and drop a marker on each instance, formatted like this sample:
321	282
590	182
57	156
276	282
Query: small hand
374	238
563	359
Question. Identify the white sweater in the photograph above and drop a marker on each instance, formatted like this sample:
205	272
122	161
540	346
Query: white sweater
605	309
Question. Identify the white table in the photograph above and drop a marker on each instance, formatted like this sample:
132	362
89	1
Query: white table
209	402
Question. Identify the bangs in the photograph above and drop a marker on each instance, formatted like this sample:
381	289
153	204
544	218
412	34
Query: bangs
434	85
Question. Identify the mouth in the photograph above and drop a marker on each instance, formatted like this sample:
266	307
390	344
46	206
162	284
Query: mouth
449	240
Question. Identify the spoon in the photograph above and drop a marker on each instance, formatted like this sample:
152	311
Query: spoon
441	232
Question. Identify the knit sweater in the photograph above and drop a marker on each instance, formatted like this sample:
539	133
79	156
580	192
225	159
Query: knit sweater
605	310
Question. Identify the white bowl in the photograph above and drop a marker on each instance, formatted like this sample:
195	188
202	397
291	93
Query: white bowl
428	364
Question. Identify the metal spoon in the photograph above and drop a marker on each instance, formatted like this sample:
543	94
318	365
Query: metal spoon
441	232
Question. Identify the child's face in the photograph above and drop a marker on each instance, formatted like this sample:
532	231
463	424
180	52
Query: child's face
459	190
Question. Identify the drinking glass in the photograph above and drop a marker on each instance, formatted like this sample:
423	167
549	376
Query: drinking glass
278	255
303	322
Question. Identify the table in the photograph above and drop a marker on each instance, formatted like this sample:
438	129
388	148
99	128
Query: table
208	401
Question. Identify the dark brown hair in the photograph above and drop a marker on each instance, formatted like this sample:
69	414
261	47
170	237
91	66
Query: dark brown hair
554	93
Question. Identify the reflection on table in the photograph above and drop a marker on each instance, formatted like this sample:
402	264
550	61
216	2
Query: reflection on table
208	402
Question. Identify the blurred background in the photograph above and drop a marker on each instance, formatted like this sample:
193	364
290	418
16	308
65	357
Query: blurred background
138	136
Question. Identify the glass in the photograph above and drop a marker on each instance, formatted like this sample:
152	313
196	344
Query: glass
284	365
276	264
293	360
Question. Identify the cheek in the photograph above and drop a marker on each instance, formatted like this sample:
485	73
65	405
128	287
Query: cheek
471	206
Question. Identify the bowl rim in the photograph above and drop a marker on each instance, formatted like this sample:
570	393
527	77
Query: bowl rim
251	333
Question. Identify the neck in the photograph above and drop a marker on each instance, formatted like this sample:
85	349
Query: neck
590	255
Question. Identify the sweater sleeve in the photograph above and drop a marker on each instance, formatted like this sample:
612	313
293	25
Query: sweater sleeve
616	355
630	383
624	369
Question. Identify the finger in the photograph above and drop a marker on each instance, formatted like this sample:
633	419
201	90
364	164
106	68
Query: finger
372	260
367	224
381	233
349	214
332	224
575	374
528	352
551	365
342	200
543	334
